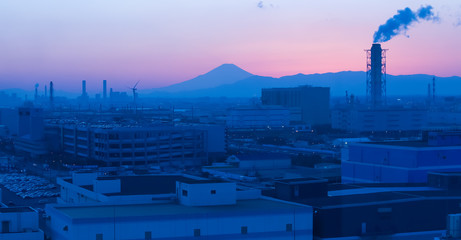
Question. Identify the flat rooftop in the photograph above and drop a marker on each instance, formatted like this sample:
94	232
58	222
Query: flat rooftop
168	209
414	144
301	180
262	156
16	209
454	174
198	181
364	196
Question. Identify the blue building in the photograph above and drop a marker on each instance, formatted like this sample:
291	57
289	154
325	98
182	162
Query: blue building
402	161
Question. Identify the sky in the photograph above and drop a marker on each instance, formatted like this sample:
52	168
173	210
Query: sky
163	42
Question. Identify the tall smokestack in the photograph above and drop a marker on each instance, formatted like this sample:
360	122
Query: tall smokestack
433	89
104	89
36	92
376	75
46	92
51	92
83	88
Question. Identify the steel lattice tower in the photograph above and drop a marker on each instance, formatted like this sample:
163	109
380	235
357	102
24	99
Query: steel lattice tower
376	75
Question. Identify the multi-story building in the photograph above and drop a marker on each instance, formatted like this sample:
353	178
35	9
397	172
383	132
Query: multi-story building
359	119
136	145
402	161
258	117
313	102
27	125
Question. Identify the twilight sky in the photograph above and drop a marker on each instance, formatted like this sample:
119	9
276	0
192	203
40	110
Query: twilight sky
162	42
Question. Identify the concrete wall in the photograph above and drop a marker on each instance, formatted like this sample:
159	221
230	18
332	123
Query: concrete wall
19	221
206	194
107	186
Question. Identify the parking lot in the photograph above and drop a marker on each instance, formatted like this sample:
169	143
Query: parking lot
28	186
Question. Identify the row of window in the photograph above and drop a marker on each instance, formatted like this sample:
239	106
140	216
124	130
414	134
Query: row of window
140	145
197	233
142	154
139	135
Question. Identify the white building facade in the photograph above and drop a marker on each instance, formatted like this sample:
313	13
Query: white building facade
209	210
20	223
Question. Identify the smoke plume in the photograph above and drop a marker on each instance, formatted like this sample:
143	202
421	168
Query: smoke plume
399	23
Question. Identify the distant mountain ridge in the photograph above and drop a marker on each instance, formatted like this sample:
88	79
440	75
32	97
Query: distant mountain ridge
228	80
224	74
339	83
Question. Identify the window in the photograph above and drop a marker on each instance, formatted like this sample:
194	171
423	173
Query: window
184	193
148	235
5	226
244	229
196	232
296	191
289	227
384	210
99	236
213	191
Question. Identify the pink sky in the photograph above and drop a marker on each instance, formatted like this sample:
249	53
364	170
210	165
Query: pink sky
168	41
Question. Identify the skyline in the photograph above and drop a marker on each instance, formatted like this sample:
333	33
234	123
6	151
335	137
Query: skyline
167	42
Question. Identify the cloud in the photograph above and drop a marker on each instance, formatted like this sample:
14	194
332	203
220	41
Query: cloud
263	4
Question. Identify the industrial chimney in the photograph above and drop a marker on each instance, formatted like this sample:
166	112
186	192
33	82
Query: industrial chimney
83	88
51	92
104	89
376	75
36	92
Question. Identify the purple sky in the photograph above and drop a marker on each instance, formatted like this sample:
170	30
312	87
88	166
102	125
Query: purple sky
167	41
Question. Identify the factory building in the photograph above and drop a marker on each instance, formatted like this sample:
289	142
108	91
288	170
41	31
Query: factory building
398	211
312	102
402	161
200	209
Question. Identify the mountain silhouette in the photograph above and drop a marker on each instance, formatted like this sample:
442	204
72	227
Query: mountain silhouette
224	74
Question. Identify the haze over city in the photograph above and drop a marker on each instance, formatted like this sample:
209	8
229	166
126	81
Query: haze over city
166	42
230	119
